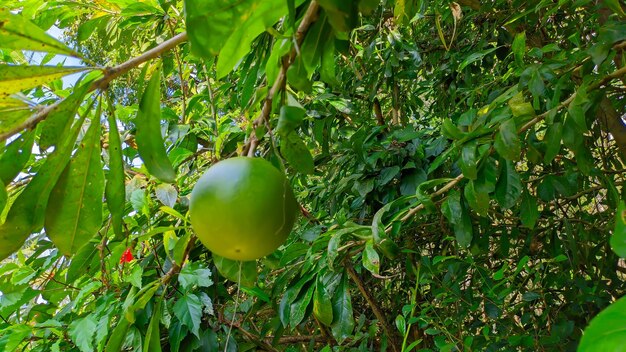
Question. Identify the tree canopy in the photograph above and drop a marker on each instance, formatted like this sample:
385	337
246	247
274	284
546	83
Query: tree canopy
459	170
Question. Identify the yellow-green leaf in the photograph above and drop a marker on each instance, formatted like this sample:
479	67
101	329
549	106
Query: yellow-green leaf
15	78
16	32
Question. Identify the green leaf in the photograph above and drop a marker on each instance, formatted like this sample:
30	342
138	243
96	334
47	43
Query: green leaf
607	330
618	238
118	336
148	137
553	142
256	17
297	154
194	274
188	309
519	48
342	15
212	24
82	332
343	317
230	269
15	156
473	57
507	141
153	334
316	38
298	309
27	212
450	130
457	214
468	162
370	258
322	306
74	212
167	194
509	186
58	122
529	211
16	32
298	77
520	107
82	262
479	201
328	67
115	189
289	119
15	78
11	119
17	334
4	197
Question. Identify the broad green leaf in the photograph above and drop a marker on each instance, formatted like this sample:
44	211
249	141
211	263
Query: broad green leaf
298	77
16	32
74	212
188	309
11	119
263	15
328	67
82	332
342	15
509	186
15	156
137	302
578	107
289	119
60	119
83	262
194	274
212	24
475	57
607	330
519	48
529	212
148	137
18	333
27	212
118	336
298	309
618	238
297	154
153	334
370	258
291	294
520	107
479	201
468	161
450	130
343	317
167	194
115	189
553	142
243	273
507	141
313	45
322	305
15	78
457	214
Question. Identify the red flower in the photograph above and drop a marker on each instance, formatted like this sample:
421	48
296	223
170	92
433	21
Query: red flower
127	257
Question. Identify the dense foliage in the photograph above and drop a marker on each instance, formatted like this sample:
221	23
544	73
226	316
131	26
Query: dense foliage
459	167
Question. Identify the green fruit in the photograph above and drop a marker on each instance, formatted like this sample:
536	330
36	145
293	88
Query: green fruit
242	208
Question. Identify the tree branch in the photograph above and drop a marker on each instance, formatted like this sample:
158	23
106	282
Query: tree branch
380	315
309	17
109	75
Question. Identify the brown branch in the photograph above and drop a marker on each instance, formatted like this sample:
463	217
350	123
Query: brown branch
309	17
380	315
109	75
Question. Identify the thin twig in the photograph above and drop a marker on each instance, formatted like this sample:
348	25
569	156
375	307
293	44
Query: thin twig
109	75
309	17
378	312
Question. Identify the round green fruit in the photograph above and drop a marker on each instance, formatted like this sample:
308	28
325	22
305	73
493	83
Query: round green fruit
242	208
